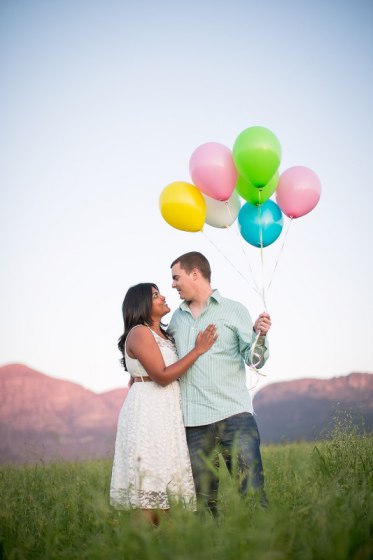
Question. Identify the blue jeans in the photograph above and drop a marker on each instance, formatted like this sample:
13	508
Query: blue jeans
237	439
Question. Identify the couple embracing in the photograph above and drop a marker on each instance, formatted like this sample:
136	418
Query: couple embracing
188	399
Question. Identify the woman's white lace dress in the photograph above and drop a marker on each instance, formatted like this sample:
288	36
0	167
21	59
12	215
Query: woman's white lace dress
151	462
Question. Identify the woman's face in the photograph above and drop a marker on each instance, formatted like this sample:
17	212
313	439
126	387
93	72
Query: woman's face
159	305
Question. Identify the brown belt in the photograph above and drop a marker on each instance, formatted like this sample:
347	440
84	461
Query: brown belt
136	379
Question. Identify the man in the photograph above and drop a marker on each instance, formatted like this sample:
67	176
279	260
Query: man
217	407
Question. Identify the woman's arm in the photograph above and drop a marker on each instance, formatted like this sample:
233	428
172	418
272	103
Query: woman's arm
142	346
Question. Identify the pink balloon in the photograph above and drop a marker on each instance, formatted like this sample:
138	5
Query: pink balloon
298	191
213	171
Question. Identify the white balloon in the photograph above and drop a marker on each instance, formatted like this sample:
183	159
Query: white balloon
222	214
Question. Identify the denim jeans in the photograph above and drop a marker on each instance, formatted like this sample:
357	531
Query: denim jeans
237	439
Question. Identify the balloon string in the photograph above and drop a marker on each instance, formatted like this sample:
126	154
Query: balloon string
246	256
255	357
253	354
261	252
279	254
258	374
229	261
226	203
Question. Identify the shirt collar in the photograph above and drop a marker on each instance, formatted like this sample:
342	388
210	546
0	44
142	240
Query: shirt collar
215	296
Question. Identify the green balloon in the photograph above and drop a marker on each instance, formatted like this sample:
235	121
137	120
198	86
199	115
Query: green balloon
257	155
256	195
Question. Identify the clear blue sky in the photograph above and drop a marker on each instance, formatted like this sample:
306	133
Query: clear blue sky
102	104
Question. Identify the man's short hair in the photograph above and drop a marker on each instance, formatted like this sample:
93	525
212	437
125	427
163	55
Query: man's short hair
192	260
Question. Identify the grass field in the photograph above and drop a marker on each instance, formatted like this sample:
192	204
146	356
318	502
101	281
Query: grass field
321	507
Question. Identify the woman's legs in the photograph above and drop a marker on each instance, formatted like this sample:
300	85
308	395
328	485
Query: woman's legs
154	515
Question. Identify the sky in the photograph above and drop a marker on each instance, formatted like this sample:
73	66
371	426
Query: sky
102	104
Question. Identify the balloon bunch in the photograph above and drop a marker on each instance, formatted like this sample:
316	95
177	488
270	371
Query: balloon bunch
220	177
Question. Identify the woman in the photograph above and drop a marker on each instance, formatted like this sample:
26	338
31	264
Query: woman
151	461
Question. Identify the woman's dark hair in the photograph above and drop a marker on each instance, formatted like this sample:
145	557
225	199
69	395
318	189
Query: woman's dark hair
136	309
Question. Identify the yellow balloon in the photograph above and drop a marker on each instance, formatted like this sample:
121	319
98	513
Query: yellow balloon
183	206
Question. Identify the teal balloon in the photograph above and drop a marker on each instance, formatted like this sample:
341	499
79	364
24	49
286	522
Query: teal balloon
257	155
264	221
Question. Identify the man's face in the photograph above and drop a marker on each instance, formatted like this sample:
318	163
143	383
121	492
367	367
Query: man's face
183	282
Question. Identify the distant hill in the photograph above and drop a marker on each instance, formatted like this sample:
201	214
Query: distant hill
43	418
307	408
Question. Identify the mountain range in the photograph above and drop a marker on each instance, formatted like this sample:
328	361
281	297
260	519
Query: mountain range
43	418
310	409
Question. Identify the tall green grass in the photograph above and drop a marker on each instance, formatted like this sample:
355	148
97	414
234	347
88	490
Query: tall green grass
321	507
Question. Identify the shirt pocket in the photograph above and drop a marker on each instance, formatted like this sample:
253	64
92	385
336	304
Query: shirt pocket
227	340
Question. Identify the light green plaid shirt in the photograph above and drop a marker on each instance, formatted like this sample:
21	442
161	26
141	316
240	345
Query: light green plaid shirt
214	387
